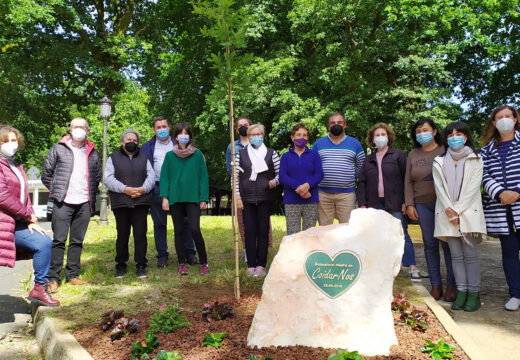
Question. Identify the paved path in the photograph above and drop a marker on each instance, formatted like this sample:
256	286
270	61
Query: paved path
494	329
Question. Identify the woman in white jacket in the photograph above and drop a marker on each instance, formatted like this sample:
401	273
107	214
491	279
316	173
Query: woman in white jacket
459	217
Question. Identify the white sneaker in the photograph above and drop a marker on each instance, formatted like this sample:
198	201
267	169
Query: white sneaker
251	271
415	275
512	304
259	271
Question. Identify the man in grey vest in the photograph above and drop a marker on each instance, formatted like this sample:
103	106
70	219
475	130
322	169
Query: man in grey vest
130	178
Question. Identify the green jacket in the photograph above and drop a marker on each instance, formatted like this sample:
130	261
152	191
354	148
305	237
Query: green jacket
184	179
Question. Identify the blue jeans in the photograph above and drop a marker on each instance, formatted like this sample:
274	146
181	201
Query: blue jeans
160	221
431	246
40	244
409	251
511	262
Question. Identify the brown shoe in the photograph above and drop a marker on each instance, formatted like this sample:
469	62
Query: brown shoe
52	287
451	293
436	292
77	281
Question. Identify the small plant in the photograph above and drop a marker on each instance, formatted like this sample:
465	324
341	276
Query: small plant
109	318
416	318
141	349
258	357
214	339
400	303
124	327
215	311
167	319
438	350
345	355
168	355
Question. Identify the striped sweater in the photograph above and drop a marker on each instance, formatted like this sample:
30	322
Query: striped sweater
498	177
341	163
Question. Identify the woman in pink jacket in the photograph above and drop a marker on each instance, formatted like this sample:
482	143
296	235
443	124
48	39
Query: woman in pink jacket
18	224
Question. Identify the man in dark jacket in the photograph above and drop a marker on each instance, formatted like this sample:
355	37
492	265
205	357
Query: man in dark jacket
71	172
155	150
130	178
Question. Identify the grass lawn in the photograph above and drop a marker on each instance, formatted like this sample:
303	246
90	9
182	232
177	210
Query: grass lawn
83	305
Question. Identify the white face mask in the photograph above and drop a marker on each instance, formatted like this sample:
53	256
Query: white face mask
505	125
380	141
9	148
79	134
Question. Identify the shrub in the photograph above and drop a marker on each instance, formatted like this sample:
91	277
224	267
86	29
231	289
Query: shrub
167	319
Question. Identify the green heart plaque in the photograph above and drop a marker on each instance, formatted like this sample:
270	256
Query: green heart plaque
332	276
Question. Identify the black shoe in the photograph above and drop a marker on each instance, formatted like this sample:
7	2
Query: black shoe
141	272
192	260
162	263
120	272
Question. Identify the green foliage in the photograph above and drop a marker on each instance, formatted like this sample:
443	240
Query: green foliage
215	311
258	357
438	350
214	339
418	319
345	355
167	320
141	349
168	355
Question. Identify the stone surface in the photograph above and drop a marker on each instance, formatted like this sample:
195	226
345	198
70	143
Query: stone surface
298	306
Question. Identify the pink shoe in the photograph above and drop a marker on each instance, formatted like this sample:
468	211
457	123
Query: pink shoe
251	271
259	271
204	269
183	269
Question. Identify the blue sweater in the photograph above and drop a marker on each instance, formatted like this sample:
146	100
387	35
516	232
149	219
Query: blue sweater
296	170
341	163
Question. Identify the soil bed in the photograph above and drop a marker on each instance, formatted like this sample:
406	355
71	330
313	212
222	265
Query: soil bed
188	341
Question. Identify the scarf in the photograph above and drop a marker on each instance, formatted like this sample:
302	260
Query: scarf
257	157
455	172
184	153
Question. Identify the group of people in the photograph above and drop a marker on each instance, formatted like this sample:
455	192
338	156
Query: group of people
438	184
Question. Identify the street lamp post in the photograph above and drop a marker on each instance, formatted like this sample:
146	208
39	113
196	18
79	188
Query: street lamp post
105	107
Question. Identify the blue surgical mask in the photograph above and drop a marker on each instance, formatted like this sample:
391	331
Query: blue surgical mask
183	139
424	138
456	142
163	134
256	141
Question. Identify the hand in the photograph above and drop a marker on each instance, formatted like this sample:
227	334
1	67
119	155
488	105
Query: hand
306	195
129	191
165	204
240	204
455	221
138	192
272	184
508	197
302	189
450	213
403	209
411	211
32	219
203	205
34	226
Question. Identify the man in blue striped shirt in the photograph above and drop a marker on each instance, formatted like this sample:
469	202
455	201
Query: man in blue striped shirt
342	157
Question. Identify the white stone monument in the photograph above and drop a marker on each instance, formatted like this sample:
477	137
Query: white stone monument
331	287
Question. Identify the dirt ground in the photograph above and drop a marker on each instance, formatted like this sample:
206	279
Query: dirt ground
189	340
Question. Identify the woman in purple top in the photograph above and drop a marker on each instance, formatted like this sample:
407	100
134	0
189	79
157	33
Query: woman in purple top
300	173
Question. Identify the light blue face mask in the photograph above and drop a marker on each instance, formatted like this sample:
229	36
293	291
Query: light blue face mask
424	138
456	142
183	139
163	134
256	141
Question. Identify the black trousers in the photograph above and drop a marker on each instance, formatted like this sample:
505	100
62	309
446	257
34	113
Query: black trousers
256	224
136	219
192	212
65	218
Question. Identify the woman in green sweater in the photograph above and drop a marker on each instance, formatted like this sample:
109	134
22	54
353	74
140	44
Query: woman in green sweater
184	191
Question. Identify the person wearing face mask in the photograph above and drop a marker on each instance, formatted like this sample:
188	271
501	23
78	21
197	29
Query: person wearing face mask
381	185
184	189
501	180
155	150
71	172
459	217
300	174
18	224
257	175
419	197
342	157
130	178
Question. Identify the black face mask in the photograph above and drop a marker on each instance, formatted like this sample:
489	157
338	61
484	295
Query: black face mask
131	147
336	130
242	130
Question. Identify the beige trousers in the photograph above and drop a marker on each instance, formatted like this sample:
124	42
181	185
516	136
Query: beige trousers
335	205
